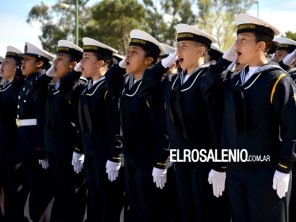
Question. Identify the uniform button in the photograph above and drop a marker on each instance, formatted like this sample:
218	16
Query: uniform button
25	101
17	116
19	97
24	89
18	106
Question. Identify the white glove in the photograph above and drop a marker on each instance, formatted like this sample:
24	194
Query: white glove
78	68
112	169
122	64
281	183
159	177
218	180
51	71
77	162
44	163
230	53
289	59
170	60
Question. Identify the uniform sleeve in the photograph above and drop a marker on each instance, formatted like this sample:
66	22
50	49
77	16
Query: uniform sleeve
79	86
151	79
70	79
115	79
39	97
212	89
283	65
283	100
214	78
114	134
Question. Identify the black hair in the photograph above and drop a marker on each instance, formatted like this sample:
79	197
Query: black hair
46	65
148	53
271	46
107	58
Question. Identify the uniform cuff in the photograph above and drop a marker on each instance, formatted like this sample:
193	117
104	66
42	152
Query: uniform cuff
284	167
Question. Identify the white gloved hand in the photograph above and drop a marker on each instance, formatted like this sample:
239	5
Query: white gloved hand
289	59
170	60
51	71
77	162
78	67
230	53
217	179
44	163
281	183
112	169
122	64
159	177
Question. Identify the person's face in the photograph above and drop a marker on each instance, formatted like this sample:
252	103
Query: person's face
9	68
89	64
62	65
247	49
135	60
280	55
30	65
188	53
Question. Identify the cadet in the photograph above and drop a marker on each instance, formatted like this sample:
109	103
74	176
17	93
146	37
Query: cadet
100	127
60	132
259	117
143	128
189	128
30	121
9	89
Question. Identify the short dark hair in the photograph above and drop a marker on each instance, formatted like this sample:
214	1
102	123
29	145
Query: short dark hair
107	58
46	65
148	53
271	46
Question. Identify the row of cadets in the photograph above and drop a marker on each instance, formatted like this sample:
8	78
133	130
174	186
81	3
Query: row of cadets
189	126
259	116
61	133
145	144
285	56
100	131
9	88
29	143
285	53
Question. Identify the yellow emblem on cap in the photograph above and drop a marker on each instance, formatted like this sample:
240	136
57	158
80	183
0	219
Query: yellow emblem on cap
246	26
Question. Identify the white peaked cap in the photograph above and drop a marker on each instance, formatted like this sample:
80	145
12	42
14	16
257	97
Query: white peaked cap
286	41
31	49
141	38
188	32
248	23
13	50
95	46
68	44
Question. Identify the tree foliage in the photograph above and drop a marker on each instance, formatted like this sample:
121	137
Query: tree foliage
217	18
110	21
290	35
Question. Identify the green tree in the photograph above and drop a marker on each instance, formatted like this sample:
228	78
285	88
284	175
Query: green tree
111	22
217	18
290	35
57	22
163	15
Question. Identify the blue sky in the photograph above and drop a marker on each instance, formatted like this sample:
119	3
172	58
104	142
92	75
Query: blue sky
15	31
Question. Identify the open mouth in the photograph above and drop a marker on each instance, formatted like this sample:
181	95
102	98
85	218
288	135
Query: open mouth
22	67
238	54
181	59
127	63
